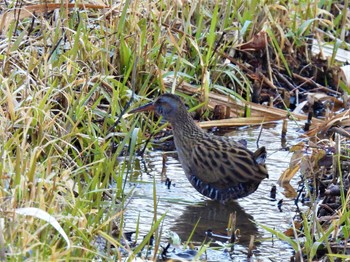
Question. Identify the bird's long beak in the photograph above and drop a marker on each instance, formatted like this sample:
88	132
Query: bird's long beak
145	108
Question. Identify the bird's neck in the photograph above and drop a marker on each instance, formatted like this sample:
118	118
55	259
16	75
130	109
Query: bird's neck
184	126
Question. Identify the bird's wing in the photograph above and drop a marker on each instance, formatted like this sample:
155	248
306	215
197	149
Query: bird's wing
225	164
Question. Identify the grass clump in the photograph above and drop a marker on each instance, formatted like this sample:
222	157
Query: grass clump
59	99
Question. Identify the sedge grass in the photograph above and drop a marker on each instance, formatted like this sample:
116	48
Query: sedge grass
315	236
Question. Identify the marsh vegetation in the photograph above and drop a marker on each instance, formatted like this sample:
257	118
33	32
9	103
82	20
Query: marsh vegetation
70	72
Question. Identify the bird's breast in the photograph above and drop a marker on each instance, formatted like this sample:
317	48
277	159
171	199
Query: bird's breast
184	152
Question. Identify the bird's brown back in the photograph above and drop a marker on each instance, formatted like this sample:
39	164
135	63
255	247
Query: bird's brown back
219	161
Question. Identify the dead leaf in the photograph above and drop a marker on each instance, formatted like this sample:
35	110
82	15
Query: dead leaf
288	174
290	231
258	42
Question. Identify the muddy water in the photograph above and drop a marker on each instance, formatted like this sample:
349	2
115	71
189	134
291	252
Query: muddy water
184	206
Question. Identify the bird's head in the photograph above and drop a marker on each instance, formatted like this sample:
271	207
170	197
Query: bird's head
169	106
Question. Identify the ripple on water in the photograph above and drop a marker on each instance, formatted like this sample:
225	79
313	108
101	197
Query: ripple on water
185	206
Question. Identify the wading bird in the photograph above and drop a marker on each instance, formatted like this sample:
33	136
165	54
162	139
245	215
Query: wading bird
216	166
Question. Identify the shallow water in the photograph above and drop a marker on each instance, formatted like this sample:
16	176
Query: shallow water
184	206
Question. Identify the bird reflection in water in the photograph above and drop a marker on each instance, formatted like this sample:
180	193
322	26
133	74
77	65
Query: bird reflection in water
213	222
